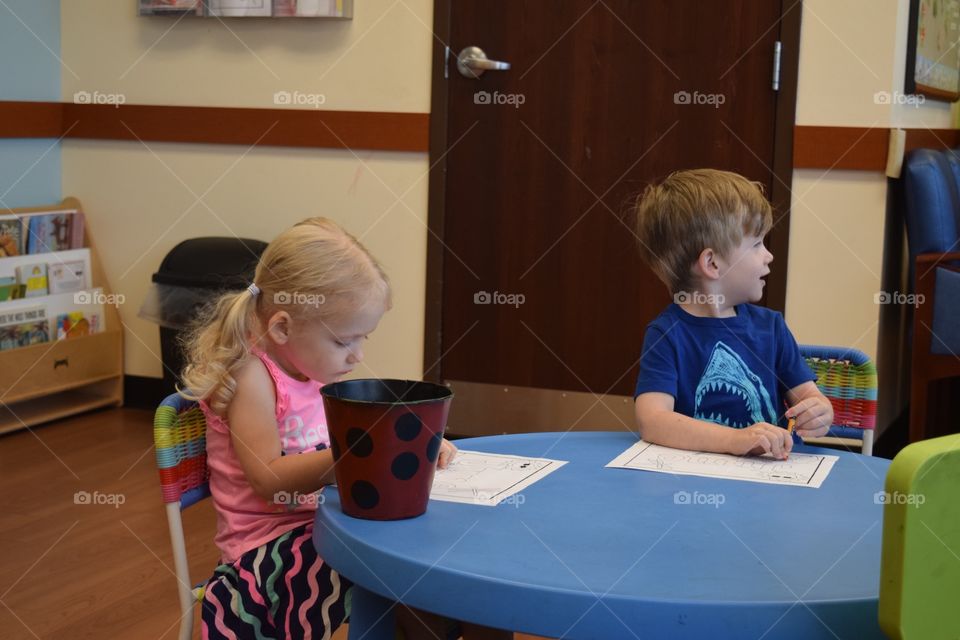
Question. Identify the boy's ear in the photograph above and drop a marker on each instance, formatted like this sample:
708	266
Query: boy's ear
707	264
279	326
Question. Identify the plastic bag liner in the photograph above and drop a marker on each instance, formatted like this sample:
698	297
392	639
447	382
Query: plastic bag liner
194	273
174	307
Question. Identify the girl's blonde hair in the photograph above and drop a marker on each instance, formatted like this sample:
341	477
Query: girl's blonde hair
315	269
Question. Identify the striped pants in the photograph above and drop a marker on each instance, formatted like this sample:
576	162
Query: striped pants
281	589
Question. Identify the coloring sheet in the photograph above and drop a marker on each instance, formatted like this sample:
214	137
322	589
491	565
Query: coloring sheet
799	470
488	478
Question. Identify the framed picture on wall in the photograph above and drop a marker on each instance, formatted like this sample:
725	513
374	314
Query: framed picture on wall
933	54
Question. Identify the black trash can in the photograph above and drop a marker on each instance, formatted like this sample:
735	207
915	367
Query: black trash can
192	275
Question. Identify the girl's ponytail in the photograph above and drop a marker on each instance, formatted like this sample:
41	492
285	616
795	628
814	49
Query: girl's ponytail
216	346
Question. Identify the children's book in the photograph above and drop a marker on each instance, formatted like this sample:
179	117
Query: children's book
33	277
239	7
76	324
10	289
57	231
159	7
11	236
65	277
23	327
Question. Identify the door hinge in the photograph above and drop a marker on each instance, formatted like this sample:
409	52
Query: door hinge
446	63
777	46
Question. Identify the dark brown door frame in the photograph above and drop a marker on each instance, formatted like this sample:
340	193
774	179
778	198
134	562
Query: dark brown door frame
790	19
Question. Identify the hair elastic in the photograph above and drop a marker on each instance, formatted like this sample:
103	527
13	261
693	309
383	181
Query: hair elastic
253	289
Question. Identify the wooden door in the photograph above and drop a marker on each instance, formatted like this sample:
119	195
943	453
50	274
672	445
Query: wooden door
536	292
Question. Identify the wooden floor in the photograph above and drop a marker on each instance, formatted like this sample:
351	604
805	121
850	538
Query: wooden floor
103	569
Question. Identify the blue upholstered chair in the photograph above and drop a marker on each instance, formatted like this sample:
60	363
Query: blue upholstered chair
932	190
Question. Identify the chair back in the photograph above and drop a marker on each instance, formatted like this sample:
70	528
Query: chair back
920	568
179	433
848	378
931	181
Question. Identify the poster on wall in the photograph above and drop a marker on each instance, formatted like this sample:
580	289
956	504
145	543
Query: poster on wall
933	54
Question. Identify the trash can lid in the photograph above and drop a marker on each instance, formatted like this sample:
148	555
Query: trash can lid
211	263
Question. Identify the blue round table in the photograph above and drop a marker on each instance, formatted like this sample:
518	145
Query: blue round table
592	552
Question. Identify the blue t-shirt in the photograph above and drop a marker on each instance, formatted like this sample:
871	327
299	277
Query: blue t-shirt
730	371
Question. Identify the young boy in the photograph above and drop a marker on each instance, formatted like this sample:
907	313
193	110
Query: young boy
715	371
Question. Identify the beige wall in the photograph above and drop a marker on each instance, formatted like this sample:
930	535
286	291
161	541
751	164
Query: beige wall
380	61
849	51
143	198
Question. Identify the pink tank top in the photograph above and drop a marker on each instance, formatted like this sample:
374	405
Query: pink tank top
245	520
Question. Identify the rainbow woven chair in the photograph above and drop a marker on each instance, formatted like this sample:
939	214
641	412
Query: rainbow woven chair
849	380
179	433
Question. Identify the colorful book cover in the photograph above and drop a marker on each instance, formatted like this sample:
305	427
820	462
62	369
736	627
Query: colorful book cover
11	236
75	325
10	289
66	277
34	279
23	328
60	231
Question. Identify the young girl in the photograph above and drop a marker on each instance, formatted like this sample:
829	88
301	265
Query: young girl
257	366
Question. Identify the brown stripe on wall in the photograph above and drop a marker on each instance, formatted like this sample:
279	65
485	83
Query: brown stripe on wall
859	148
218	125
814	147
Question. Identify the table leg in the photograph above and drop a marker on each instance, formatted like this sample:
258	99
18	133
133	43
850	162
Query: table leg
371	616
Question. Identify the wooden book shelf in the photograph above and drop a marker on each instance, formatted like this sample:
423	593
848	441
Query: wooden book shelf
60	378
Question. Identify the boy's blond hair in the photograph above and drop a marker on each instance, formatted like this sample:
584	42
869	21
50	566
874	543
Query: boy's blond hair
694	210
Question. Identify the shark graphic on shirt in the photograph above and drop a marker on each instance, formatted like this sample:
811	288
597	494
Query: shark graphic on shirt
726	375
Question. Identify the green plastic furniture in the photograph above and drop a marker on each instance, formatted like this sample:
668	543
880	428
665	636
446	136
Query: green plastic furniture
920	567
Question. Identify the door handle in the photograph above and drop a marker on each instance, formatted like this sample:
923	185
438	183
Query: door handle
472	62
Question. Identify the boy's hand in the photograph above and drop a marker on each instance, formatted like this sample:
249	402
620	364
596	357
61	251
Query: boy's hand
761	438
814	416
448	451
